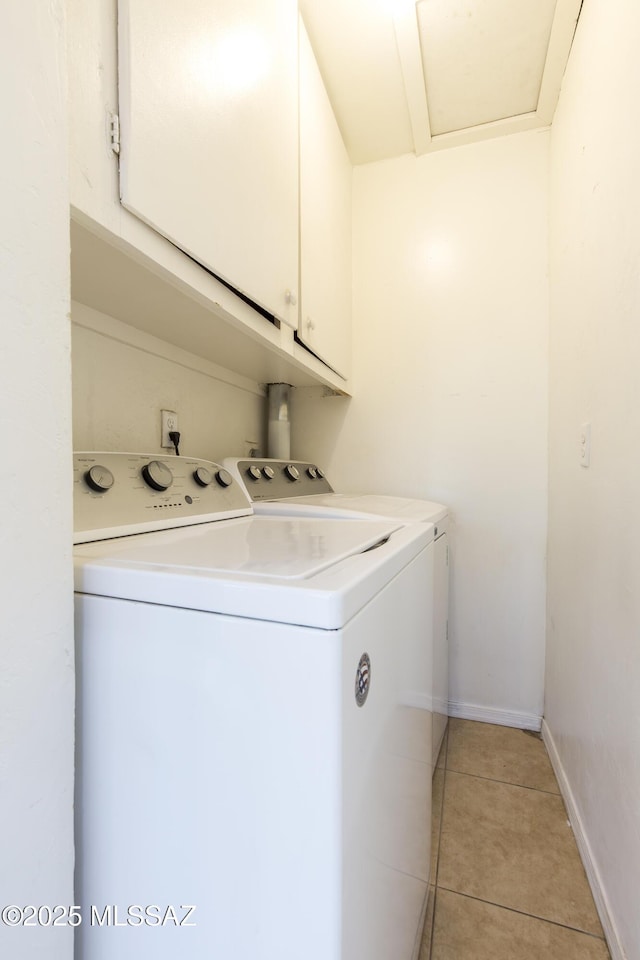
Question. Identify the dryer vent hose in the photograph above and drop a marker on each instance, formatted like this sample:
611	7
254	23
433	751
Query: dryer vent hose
279	425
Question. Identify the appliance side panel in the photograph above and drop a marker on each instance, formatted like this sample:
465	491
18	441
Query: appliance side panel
209	774
387	767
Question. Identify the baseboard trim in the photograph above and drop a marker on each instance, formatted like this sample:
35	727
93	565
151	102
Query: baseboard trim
505	718
584	848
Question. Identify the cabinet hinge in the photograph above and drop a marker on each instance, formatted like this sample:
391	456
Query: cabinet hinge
114	132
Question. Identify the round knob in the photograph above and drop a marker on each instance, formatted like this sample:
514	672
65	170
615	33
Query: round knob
157	475
268	472
99	479
312	472
319	473
202	476
310	324
224	478
291	472
254	473
290	298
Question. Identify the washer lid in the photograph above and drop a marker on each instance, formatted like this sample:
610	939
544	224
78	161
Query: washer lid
314	572
360	506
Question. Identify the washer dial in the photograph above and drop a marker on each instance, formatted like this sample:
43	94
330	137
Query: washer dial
202	476
157	475
292	472
268	472
99	478
254	473
224	478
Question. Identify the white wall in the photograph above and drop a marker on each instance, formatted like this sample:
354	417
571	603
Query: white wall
123	378
593	654
450	390
36	641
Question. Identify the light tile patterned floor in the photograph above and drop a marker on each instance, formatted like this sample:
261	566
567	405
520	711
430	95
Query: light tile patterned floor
509	883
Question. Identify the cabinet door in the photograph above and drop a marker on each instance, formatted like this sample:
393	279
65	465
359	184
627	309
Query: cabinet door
325	222
209	125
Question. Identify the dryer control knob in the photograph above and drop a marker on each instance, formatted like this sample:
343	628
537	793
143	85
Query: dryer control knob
202	476
291	472
254	473
99	479
312	472
319	473
224	478
157	475
269	472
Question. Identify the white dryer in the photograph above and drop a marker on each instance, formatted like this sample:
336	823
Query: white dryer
252	722
298	488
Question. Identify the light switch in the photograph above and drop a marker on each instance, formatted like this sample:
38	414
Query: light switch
585	444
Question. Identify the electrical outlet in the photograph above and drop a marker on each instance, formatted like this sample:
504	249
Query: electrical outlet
168	422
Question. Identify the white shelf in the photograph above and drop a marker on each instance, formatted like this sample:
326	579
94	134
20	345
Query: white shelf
186	308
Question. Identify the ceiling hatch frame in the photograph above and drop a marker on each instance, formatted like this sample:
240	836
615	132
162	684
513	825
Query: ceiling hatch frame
405	21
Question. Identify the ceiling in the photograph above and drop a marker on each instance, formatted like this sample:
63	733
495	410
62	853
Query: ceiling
411	77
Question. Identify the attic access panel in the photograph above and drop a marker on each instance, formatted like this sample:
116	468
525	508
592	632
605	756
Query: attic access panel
483	60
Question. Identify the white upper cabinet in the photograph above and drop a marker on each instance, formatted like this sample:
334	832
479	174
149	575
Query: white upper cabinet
209	154
325	222
208	94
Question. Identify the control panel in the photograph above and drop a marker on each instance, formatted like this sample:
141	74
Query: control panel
280	479
115	494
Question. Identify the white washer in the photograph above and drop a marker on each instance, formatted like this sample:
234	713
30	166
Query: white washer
253	724
299	488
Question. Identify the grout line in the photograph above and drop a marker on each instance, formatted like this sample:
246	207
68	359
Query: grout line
523	913
445	749
433	920
439	840
508	783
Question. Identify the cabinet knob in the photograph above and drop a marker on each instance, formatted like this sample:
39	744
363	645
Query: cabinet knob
310	324
290	298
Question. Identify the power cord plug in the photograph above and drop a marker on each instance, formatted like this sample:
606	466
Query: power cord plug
174	436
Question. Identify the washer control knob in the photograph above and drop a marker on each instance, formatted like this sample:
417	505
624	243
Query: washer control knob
254	473
157	475
312	472
202	476
224	478
291	472
319	473
268	472
99	479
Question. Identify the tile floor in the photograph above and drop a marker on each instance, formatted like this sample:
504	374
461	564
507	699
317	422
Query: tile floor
509	883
